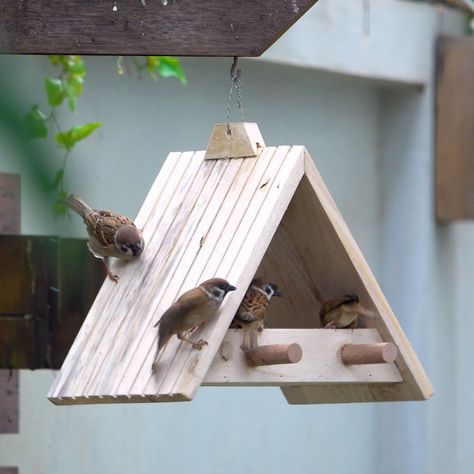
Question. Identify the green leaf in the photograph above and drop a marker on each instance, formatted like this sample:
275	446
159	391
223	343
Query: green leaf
55	91
35	121
73	88
75	65
167	66
69	138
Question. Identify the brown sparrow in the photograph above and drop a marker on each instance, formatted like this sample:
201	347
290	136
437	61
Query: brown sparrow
191	310
252	312
110	234
343	312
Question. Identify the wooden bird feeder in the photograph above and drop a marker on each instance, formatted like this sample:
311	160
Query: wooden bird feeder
268	213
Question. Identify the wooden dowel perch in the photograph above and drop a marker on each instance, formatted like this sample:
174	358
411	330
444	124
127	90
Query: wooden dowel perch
275	354
381	353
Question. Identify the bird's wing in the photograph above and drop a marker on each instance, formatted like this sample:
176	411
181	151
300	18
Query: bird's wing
331	305
184	304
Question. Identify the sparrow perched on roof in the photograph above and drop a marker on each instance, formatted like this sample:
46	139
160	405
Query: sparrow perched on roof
110	234
253	310
343	312
191	310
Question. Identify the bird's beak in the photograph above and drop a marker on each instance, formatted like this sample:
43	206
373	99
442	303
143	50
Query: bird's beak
278	293
231	288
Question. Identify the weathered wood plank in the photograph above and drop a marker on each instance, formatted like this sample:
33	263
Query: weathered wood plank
9	406
455	129
10	211
161	27
80	276
321	362
28	273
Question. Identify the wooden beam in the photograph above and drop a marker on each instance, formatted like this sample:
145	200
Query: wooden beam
321	362
10	223
158	27
455	129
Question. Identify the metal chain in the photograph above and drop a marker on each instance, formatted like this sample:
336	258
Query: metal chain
237	84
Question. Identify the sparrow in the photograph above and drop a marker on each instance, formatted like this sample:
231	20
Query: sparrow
110	234
191	310
253	310
343	312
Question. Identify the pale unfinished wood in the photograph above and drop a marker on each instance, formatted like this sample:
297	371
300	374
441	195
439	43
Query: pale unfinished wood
337	266
201	219
243	141
320	364
275	354
232	218
381	353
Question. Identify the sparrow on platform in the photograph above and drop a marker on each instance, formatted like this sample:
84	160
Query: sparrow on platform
110	234
343	312
191	310
253	310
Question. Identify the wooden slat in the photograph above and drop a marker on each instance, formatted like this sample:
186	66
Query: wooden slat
216	207
10	212
455	129
112	307
314	210
9	406
239	260
321	362
158	27
80	276
28	273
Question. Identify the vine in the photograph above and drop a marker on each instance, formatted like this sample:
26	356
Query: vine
67	85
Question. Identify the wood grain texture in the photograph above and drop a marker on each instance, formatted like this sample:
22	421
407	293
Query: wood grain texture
455	129
201	219
232	218
244	141
379	353
27	273
337	267
321	363
170	27
10	210
9	401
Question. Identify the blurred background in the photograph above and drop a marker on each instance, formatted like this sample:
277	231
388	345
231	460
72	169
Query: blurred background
353	81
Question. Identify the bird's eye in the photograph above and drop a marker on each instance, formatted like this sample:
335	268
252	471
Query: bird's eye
222	286
268	289
124	248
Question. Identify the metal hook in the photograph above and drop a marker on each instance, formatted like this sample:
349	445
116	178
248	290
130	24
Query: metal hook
234	75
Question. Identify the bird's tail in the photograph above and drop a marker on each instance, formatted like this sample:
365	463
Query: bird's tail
76	204
249	338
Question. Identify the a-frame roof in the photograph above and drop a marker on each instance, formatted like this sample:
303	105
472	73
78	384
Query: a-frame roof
229	218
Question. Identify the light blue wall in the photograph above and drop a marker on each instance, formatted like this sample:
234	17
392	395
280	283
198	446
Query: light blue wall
373	143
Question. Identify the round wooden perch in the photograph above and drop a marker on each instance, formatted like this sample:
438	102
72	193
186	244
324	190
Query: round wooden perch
381	353
275	354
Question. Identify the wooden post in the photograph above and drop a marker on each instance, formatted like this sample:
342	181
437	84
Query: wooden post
10	220
275	354
381	353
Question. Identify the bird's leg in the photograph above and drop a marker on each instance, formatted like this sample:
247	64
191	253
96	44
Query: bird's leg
353	325
330	325
111	275
196	344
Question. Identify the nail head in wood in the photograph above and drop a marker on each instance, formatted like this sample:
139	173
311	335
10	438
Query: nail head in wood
381	353
275	354
244	141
